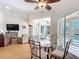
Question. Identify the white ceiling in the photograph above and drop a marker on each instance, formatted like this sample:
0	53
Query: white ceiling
59	9
19	4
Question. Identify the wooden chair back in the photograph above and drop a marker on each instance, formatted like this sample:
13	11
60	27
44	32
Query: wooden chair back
66	49
35	49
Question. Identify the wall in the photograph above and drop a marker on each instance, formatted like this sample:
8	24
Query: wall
14	19
60	27
1	22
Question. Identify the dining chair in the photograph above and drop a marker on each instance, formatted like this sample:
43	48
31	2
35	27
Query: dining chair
59	53
36	50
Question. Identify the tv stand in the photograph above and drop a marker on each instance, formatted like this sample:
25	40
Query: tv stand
12	34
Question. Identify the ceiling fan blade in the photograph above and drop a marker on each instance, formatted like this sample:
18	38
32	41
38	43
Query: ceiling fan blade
52	1
37	7
31	1
48	7
36	1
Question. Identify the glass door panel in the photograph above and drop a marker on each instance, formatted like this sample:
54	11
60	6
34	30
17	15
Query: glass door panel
74	30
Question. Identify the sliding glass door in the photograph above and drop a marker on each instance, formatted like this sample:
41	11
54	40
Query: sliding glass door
74	47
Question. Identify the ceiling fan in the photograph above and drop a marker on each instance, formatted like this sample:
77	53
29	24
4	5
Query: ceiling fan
42	3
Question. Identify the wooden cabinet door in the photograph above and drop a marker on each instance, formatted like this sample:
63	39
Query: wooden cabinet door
1	40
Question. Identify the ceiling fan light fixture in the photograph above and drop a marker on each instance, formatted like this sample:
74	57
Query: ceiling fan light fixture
7	7
42	4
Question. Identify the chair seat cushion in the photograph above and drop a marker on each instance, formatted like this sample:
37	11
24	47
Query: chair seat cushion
57	53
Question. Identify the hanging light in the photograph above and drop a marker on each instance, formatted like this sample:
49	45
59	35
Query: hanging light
42	4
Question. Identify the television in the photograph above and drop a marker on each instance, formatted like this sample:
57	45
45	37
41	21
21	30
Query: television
12	27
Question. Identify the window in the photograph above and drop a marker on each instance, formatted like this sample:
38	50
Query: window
76	32
72	32
41	28
68	28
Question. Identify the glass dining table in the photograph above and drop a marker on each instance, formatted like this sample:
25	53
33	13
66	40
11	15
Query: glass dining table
48	47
